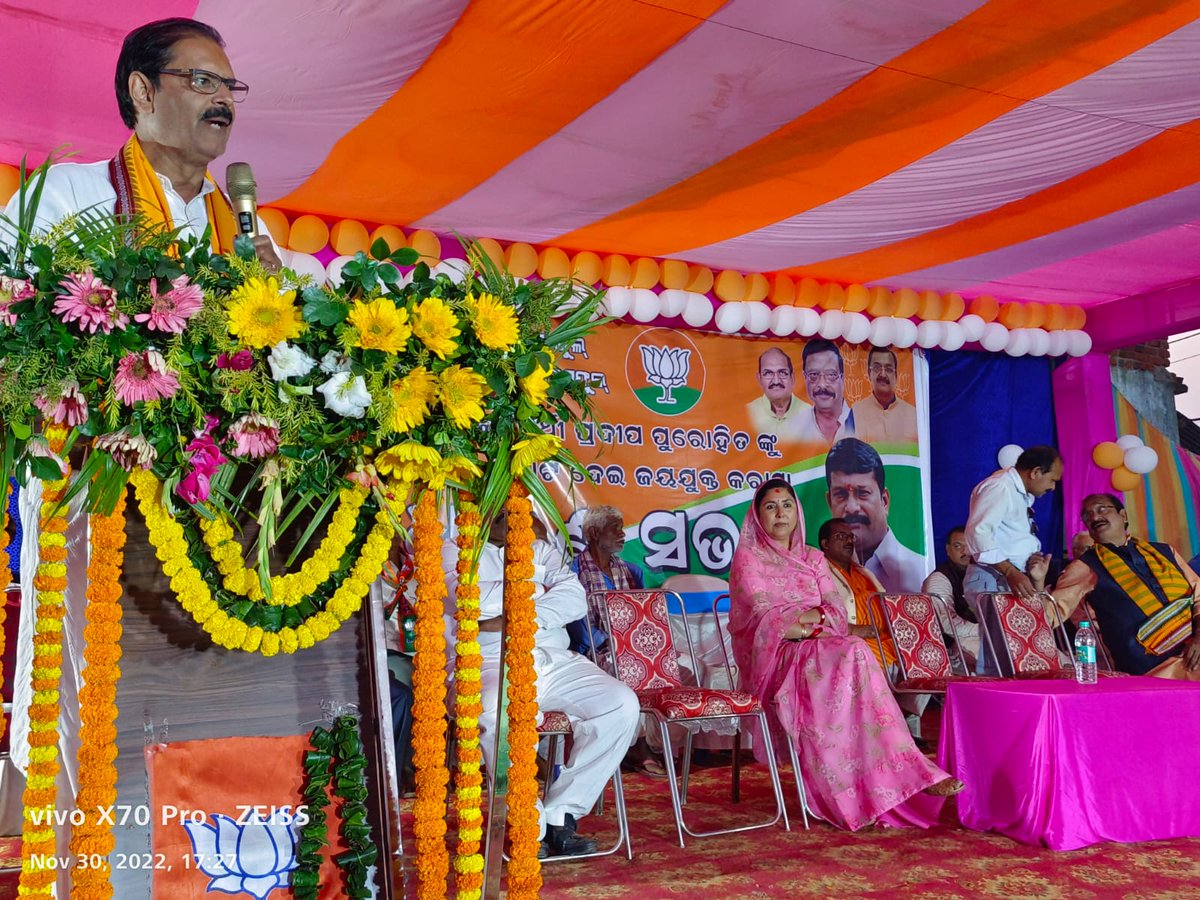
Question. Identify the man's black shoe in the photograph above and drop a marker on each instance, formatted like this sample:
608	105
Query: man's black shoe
561	840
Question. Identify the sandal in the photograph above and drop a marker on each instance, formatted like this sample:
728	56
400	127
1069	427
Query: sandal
947	787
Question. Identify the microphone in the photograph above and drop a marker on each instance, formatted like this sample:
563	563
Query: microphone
243	195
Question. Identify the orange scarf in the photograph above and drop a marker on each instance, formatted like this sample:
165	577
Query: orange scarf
140	194
863	587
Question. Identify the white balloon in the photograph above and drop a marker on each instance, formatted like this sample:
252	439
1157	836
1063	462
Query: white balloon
808	321
929	334
672	302
1058	343
783	320
333	271
645	307
883	330
1039	341
994	337
731	317
1079	343
307	264
579	292
285	257
1129	441
758	317
1007	457
617	301
456	270
953	337
857	328
832	323
1141	460
905	333
972	327
1018	342
699	310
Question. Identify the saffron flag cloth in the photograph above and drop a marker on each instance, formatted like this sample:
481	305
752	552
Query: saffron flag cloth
226	818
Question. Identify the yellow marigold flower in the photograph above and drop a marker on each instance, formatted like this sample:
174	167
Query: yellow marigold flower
462	389
436	325
412	396
494	321
260	315
379	325
536	385
533	450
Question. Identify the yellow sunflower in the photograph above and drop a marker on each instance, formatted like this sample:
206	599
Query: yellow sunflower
461	390
379	325
261	315
435	324
409	461
536	385
494	321
533	450
412	396
461	468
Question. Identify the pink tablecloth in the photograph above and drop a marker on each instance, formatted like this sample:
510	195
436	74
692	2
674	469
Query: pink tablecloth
1066	765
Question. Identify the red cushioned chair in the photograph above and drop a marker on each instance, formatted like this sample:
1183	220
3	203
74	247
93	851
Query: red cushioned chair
1029	626
643	657
916	625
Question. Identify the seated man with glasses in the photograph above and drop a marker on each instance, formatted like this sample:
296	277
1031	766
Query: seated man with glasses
830	419
881	417
175	89
1142	593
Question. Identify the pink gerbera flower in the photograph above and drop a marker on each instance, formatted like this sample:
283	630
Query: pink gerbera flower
13	290
70	408
129	451
171	310
255	436
91	303
144	376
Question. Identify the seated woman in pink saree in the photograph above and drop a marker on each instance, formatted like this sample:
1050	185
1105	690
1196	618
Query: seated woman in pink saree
821	685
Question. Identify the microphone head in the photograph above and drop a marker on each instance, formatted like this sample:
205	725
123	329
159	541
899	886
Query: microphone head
239	181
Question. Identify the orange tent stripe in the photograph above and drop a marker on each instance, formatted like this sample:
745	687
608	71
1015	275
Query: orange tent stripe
1167	162
983	66
495	87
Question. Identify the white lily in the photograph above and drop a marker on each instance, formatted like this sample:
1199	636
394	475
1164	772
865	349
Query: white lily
287	361
346	395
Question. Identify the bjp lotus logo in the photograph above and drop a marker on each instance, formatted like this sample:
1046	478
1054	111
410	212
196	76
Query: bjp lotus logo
666	373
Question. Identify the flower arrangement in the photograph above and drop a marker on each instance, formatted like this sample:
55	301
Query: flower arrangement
468	706
6	575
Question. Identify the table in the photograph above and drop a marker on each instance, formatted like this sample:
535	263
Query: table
1066	765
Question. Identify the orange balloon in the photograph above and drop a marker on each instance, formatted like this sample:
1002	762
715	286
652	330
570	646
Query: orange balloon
1013	315
586	267
954	308
348	237
395	239
858	298
700	279
10	181
520	258
674	274
1078	318
808	293
757	287
730	286
1108	455
1054	317
907	301
308	235
275	221
883	302
615	271
929	305
430	247
986	307
833	296
1035	315
553	263
645	272
783	290
1124	480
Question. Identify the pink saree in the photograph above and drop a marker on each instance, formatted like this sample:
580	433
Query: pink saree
859	760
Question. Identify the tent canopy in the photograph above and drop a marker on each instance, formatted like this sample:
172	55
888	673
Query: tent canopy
1031	151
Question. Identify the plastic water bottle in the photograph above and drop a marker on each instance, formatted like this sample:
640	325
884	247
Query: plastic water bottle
1085	654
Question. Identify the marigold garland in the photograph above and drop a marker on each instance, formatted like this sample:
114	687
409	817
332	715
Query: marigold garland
524	868
93	837
429	704
37	831
468	706
7	576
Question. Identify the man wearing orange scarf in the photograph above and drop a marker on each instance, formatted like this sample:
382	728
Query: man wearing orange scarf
175	88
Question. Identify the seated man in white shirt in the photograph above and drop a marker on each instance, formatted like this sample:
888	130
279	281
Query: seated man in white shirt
604	713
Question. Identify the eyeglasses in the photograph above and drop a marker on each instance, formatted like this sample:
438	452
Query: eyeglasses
772	374
830	375
1102	510
205	82
878	369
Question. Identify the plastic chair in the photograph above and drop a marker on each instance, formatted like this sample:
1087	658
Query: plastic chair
917	627
644	658
1028	626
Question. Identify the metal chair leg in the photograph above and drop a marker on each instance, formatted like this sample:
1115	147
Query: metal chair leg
669	762
687	763
773	766
736	791
795	757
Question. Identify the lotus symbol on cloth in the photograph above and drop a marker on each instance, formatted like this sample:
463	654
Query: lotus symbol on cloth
252	858
666	367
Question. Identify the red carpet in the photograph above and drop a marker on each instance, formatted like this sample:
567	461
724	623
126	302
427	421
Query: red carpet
10	866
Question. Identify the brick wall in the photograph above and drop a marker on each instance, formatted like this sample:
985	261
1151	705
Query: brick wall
1147	356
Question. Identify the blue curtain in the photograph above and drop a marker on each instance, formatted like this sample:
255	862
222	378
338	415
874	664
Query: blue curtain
978	402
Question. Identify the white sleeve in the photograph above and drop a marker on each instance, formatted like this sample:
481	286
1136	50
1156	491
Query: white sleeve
989	505
563	599
939	584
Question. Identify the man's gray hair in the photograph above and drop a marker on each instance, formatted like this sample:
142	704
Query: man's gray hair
599	517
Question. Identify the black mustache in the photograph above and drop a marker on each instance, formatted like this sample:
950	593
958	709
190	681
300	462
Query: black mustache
217	112
858	519
824	394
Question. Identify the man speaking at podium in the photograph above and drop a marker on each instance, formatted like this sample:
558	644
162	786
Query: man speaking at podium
175	89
